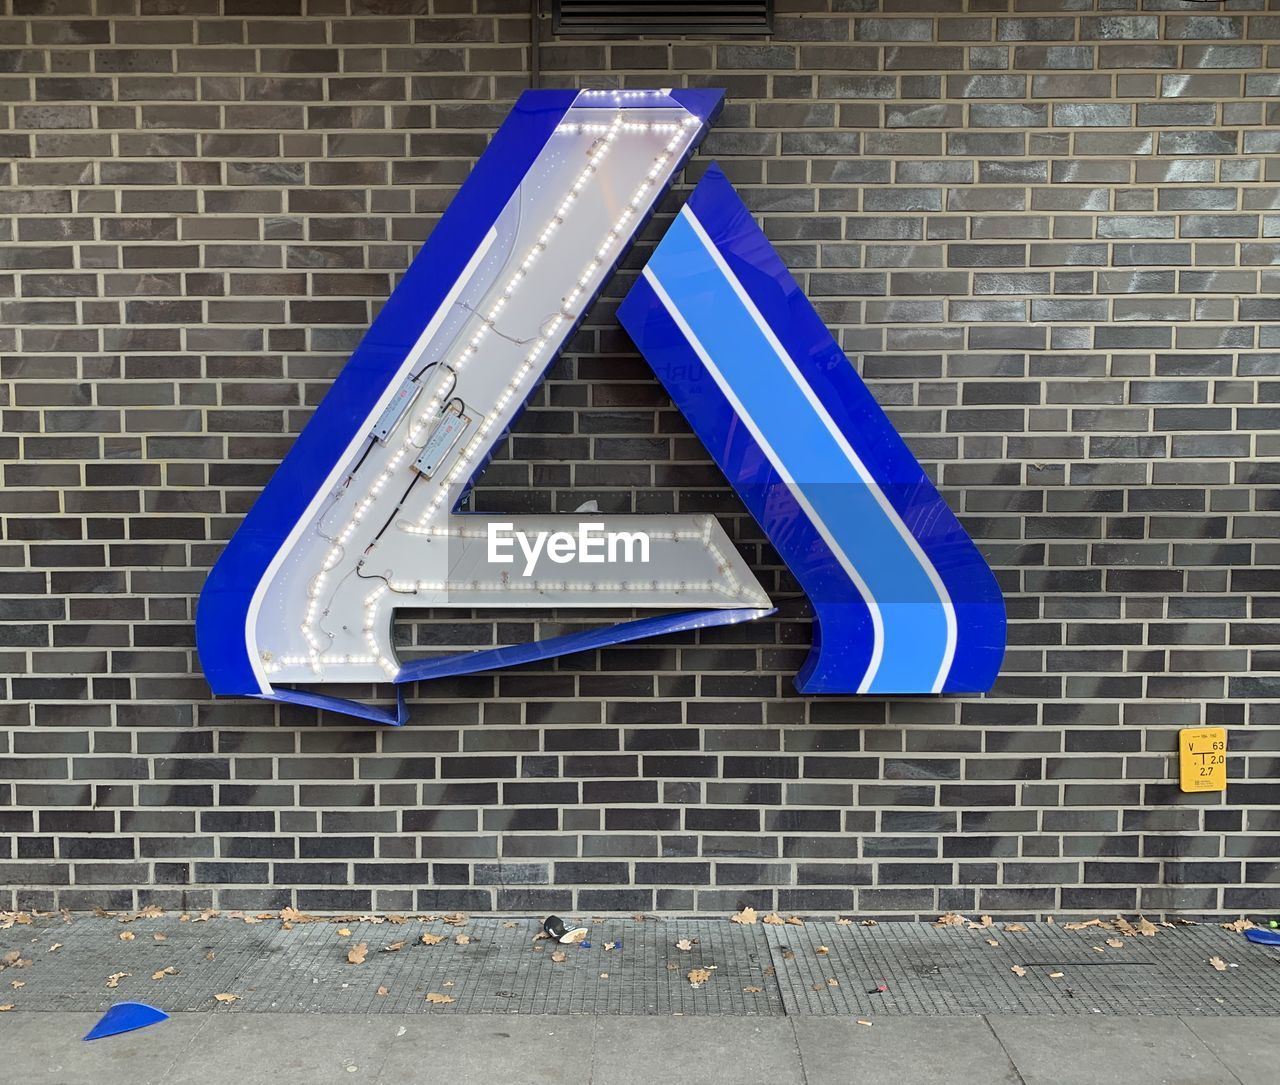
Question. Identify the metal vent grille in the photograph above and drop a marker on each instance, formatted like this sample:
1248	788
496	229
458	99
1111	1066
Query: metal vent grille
614	17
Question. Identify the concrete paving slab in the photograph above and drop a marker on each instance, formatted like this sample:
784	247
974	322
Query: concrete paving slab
904	1050
1249	1048
541	1050
1102	1050
50	1047
726	1051
238	1049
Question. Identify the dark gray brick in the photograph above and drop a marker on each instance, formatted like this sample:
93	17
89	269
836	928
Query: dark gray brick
1047	238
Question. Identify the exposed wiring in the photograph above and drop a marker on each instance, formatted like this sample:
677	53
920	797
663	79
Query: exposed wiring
382	577
387	524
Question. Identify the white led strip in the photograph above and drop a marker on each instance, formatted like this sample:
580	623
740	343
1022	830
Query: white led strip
422	555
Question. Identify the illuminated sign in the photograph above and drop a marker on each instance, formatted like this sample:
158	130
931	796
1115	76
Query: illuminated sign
362	515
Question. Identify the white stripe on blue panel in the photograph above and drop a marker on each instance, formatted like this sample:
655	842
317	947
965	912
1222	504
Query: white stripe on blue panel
913	617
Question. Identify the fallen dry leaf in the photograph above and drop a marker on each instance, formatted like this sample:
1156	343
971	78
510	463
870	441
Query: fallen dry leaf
17	984
169	971
206	915
604	975
6	1007
833	983
1055	975
870	922
447	983
788	954
1087	923
1218	963
158	937
610	945
356	954
1018	970
115	979
559	956
842	922
822	951
984	921
684	945
462	940
383	991
1241	924
209	956
55	947
1115	943
950	919
746	916
774	920
795	921
432	939
1124	926
151	911
438	999
510	924
752	990
227	997
1015	928
992	942
1146	928
456	919
127	936
395	947
344	932
698	976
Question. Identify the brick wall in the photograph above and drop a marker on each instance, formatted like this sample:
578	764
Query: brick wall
1047	234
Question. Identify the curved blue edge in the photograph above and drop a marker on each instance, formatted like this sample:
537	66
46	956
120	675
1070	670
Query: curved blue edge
326	701
843	639
489	659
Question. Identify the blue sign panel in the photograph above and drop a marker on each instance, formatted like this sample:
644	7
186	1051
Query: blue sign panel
903	601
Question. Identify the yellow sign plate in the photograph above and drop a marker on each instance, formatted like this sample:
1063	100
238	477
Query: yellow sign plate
1202	758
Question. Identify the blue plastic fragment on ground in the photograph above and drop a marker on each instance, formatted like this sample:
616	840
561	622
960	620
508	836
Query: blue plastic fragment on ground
125	1017
1263	937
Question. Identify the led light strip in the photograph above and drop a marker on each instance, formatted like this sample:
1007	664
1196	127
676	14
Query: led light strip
569	311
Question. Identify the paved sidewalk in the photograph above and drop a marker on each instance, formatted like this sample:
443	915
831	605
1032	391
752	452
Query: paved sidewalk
627	967
314	1049
817	1002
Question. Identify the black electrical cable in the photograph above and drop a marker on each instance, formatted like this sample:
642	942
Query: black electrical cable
380	576
386	525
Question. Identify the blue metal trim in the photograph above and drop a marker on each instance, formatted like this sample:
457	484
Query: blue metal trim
587	640
339	704
843	639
